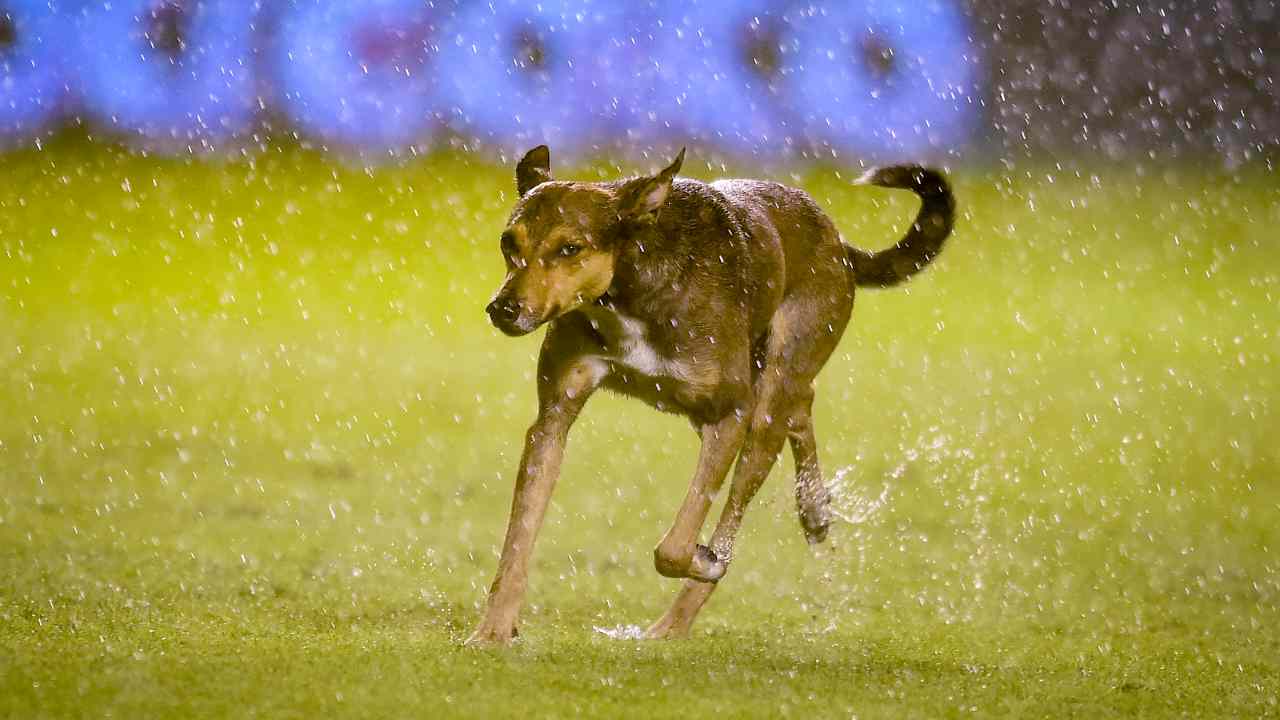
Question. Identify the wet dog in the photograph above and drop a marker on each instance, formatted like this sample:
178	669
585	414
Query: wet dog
718	301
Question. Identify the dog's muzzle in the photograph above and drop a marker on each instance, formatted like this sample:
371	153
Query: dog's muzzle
509	316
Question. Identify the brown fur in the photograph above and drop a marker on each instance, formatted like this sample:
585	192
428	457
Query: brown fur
720	302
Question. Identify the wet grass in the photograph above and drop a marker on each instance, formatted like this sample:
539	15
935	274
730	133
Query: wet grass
256	448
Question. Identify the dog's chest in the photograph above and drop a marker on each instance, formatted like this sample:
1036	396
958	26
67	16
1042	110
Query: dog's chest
628	343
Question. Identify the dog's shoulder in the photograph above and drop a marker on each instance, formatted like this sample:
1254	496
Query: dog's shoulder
695	207
690	191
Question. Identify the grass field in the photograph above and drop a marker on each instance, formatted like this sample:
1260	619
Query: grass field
257	444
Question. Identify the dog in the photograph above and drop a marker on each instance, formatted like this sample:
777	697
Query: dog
717	301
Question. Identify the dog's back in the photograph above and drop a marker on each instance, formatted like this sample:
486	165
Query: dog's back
809	239
773	212
778	238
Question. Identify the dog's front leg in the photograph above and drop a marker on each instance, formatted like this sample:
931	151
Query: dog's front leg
561	397
539	466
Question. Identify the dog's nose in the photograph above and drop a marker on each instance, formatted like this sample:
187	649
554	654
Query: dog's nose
503	311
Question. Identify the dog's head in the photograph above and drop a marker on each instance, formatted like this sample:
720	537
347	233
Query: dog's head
562	242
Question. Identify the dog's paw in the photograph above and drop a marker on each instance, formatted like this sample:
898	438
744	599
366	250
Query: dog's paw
706	566
813	500
702	565
491	636
816	525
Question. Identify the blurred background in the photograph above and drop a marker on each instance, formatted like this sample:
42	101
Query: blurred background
762	79
258	439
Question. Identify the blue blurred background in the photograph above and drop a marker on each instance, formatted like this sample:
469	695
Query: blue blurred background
876	79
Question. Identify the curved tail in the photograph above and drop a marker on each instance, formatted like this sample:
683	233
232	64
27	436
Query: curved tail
923	240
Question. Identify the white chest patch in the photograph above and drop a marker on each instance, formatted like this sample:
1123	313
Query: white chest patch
627	344
636	352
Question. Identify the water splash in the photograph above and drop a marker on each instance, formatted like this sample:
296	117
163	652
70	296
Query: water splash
621	632
852	504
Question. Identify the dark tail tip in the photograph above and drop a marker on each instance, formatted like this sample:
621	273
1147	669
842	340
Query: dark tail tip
925	237
921	180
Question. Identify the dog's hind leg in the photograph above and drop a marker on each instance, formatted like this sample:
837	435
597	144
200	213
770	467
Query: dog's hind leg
679	555
765	438
764	441
813	501
797	350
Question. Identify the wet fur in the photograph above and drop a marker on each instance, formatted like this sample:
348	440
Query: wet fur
717	301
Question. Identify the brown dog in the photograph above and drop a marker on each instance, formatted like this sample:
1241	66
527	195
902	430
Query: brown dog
720	302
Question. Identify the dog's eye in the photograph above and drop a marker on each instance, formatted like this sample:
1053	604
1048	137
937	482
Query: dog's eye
570	250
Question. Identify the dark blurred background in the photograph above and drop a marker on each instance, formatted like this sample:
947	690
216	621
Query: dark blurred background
964	80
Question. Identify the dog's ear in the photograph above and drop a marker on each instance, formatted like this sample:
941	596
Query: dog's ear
533	169
645	197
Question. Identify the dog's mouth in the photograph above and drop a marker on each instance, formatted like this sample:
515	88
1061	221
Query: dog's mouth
514	328
515	320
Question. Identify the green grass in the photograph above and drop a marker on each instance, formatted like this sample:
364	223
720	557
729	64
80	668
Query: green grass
257	443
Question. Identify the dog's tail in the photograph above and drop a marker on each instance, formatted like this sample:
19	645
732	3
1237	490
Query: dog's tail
923	240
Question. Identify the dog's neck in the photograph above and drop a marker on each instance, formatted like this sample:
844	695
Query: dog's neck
644	276
610	311
628	306
655	264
